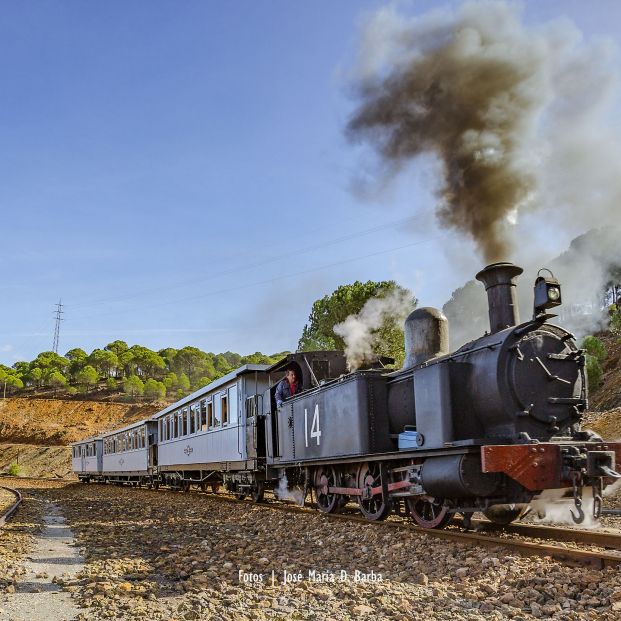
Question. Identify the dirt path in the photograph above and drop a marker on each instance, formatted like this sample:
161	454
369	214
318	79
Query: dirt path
36	596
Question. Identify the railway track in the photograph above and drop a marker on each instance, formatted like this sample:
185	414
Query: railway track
610	556
13	508
606	551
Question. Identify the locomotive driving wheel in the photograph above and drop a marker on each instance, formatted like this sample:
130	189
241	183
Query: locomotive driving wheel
325	477
429	512
373	507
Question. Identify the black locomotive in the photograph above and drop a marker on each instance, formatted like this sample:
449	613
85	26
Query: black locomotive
485	428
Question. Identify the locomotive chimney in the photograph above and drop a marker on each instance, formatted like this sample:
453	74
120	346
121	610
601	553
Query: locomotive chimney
426	336
499	281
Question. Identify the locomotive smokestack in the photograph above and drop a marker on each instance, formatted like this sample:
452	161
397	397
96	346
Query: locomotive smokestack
499	281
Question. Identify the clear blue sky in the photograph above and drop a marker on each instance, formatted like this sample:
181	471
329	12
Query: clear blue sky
176	172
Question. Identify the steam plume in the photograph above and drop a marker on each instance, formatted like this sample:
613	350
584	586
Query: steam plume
360	331
494	101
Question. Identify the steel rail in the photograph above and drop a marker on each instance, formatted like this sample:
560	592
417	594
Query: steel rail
539	531
13	508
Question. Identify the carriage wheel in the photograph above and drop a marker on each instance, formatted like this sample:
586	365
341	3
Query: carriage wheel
257	492
240	496
375	507
215	487
429	512
325	477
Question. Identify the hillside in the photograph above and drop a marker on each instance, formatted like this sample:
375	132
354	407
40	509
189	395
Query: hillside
608	395
36	461
59	422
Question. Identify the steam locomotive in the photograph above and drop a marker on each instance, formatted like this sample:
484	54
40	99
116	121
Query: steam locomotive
485	428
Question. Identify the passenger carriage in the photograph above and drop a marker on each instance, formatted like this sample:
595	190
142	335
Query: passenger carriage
87	458
130	453
210	436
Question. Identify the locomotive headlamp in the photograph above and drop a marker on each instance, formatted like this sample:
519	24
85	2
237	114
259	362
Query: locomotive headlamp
547	292
554	293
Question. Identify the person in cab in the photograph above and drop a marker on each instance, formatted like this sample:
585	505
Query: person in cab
289	386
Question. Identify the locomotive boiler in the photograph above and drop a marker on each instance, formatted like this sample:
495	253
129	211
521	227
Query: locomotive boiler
484	428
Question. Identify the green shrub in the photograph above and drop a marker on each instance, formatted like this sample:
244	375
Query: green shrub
14	469
594	372
594	347
111	383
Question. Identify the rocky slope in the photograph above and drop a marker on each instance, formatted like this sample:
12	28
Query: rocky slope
58	422
36	461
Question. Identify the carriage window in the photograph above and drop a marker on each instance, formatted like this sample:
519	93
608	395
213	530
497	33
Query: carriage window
193	419
210	414
203	415
225	409
232	405
176	426
185	421
197	417
144	437
217	412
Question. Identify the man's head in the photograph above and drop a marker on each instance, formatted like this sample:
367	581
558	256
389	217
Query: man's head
291	376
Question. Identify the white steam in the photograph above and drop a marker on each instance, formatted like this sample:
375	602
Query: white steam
553	507
360	331
284	493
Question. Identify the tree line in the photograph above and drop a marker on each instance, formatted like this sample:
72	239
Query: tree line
137	370
173	373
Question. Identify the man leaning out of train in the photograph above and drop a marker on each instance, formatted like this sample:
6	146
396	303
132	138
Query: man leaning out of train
289	386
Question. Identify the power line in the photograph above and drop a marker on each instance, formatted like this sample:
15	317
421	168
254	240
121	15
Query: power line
280	257
59	313
242	287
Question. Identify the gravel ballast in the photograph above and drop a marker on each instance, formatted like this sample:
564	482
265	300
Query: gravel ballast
167	555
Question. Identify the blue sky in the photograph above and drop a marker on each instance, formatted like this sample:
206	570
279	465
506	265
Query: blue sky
177	173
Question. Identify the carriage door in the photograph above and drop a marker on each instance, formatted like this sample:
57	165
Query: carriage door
255	427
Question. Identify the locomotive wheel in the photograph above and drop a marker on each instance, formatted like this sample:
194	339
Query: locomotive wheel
325	477
503	514
374	508
257	493
428	512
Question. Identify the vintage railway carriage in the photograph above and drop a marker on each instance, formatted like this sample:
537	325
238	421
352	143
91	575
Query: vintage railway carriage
211	436
87	458
130	453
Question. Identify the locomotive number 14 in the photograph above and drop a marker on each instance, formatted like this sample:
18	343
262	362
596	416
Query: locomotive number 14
315	432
